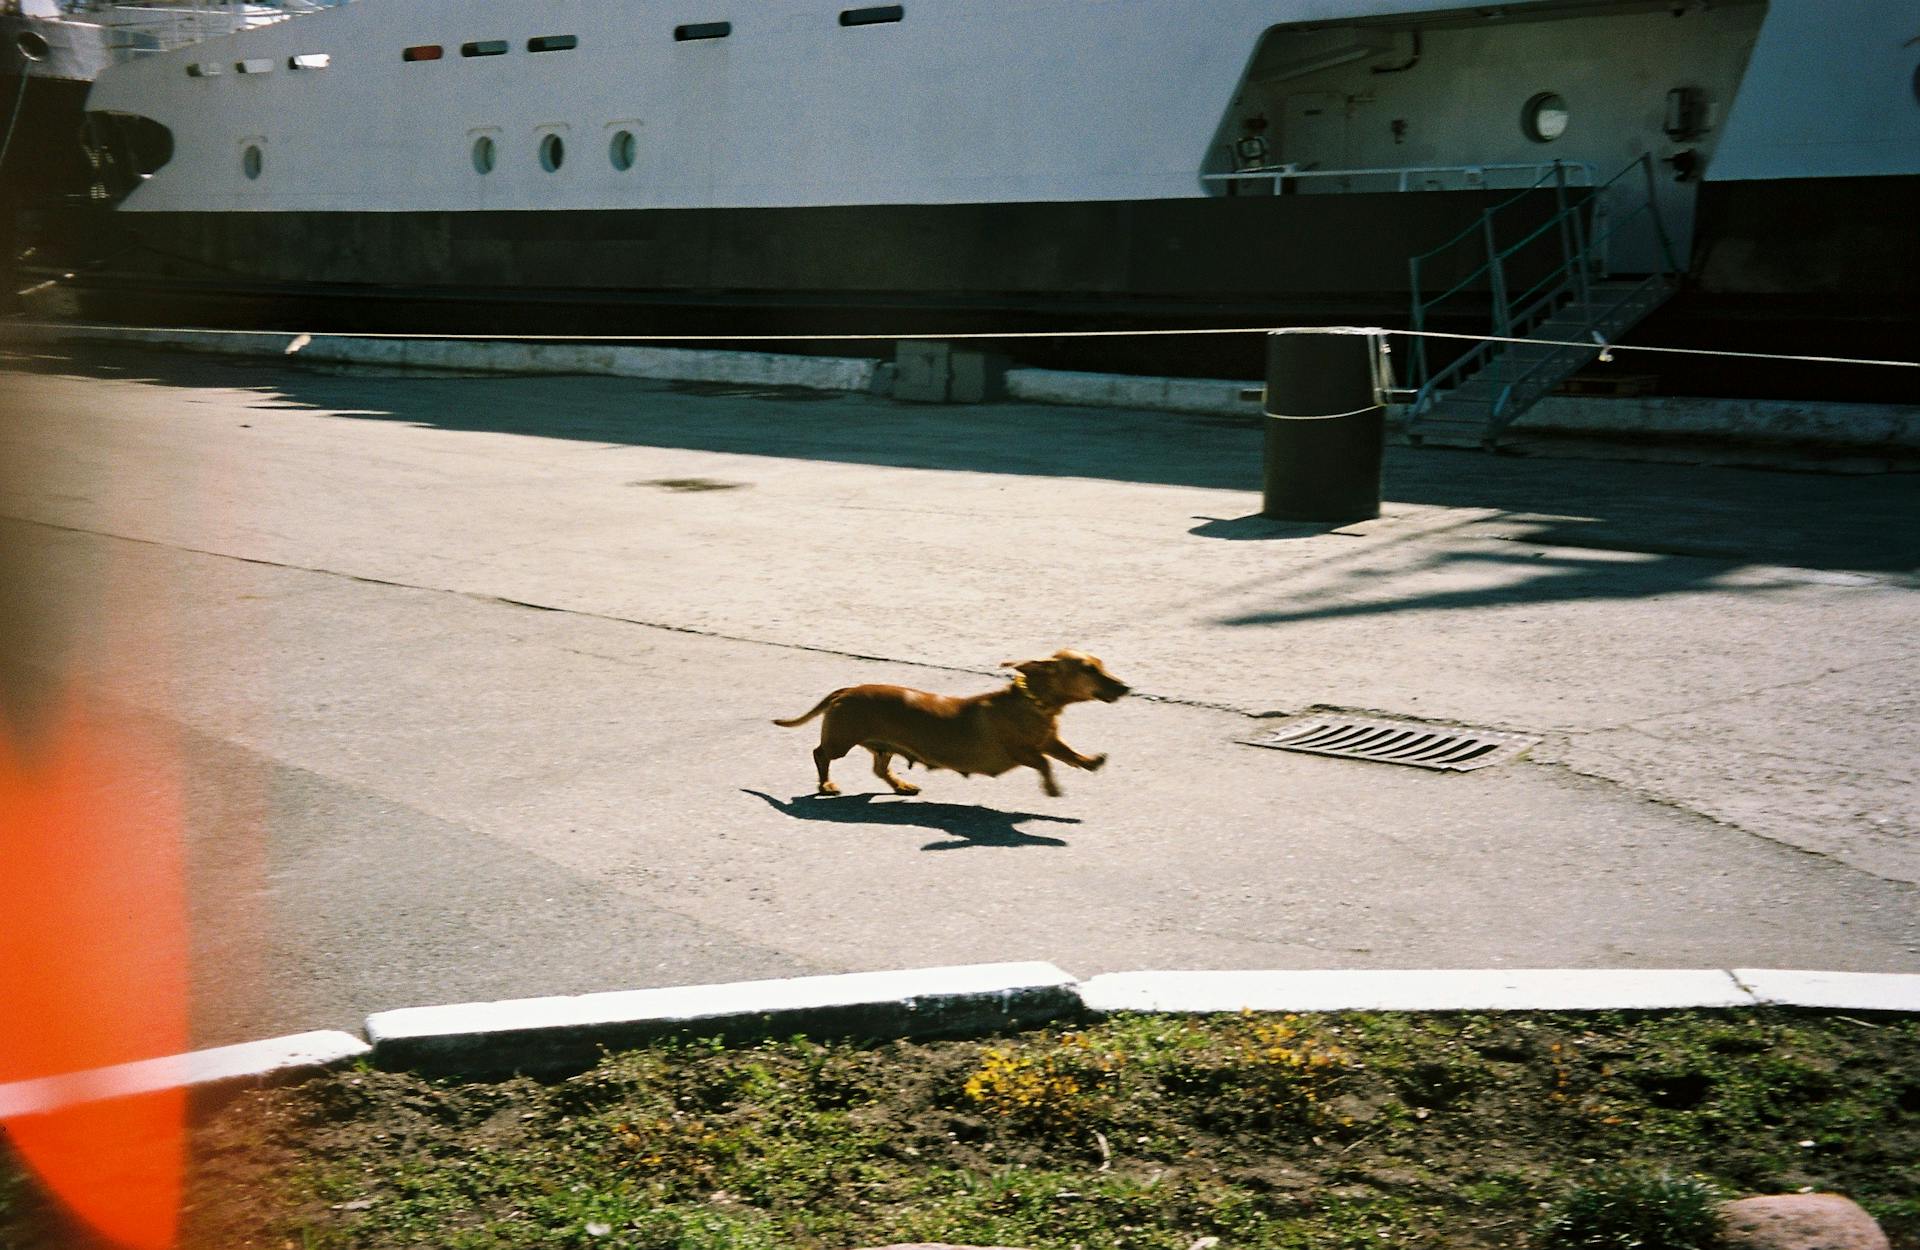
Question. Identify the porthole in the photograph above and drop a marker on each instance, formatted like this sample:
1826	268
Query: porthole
623	150
32	45
483	154
553	152
251	161
1545	118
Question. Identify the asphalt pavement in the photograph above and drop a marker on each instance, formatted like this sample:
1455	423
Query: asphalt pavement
471	679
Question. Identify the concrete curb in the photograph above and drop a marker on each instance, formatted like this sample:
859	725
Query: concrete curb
561	1033
821	373
201	1073
1417	990
1891	429
1833	991
556	1034
1206	396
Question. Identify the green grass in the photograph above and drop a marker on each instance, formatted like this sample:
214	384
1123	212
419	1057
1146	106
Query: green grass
1348	1131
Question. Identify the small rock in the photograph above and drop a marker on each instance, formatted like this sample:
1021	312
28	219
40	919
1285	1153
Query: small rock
1800	1222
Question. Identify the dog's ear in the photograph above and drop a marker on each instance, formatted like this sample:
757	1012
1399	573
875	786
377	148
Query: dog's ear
1021	666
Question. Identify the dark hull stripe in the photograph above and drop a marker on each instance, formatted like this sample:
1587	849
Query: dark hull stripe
1826	267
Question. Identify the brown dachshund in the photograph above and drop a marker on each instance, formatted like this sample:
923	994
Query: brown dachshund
985	733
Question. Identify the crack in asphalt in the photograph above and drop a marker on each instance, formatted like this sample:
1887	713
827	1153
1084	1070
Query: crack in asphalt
585	613
1677	805
693	631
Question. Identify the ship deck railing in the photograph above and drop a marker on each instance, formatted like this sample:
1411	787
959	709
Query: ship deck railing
139	30
1484	176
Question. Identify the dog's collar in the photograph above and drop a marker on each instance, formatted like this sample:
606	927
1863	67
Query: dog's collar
1020	684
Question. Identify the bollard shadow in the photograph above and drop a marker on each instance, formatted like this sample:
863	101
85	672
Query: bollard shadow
1257	528
965	824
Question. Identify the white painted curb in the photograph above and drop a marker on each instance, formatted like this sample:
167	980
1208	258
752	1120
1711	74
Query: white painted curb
534	1034
1840	991
251	1063
1537	989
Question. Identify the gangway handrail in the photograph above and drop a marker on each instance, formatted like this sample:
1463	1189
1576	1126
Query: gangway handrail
1580	252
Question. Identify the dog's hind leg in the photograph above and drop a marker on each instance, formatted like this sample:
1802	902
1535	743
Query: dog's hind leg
882	757
832	747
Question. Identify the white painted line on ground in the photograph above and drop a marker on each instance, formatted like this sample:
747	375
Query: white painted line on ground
248	1063
553	1033
1534	989
1842	991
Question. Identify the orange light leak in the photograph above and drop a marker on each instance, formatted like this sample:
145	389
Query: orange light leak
93	959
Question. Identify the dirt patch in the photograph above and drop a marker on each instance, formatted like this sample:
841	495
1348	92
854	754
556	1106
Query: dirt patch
1357	1130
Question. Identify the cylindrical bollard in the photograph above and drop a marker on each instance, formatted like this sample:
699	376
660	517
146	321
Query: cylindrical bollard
1326	430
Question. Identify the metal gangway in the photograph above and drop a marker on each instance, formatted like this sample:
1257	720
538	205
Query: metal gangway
1568	307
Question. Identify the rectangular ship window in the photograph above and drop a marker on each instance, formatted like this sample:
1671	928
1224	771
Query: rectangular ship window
703	30
553	43
260	66
423	52
310	60
484	47
205	69
873	16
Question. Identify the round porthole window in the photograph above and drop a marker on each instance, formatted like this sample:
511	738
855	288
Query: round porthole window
250	161
623	150
32	45
553	151
1545	118
483	155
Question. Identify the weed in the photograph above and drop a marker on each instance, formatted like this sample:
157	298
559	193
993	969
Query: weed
1636	1210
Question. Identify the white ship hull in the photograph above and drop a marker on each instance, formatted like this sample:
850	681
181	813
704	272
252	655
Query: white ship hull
612	164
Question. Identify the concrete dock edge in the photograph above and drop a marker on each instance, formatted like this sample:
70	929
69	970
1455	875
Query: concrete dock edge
1866	429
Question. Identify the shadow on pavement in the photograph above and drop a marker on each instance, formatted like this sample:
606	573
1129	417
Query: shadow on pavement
1736	515
1541	578
966	824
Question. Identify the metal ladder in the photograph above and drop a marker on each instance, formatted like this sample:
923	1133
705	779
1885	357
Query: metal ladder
1562	320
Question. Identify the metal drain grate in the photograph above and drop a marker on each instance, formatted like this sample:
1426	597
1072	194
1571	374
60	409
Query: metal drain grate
1394	742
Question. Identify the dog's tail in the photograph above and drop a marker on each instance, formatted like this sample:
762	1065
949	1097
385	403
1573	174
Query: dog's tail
816	710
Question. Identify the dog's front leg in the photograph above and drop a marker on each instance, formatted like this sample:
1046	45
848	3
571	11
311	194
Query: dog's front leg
1038	763
1067	755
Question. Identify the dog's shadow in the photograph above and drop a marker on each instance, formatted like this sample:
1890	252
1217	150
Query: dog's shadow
967	825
